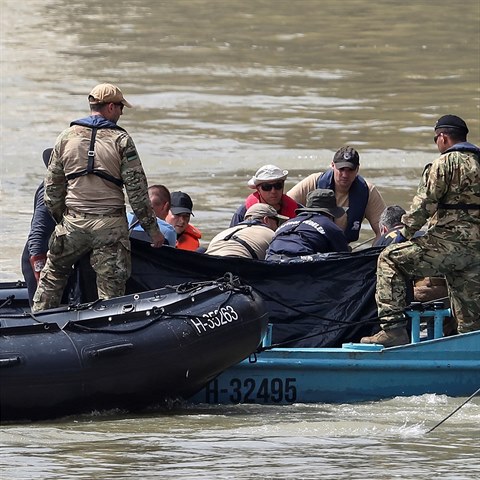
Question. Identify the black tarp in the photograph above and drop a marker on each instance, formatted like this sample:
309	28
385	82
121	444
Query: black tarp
328	299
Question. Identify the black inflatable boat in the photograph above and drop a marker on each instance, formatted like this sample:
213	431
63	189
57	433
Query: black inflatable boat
128	353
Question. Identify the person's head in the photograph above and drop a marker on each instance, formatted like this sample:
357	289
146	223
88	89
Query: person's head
449	130
181	207
265	214
107	100
390	218
269	182
160	199
47	153
345	165
322	201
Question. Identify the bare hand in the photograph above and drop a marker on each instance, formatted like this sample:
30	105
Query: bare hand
157	240
38	262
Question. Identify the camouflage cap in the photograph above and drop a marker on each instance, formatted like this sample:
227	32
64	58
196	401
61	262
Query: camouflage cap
107	93
451	121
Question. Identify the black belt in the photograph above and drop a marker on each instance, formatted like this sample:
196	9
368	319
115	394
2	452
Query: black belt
459	206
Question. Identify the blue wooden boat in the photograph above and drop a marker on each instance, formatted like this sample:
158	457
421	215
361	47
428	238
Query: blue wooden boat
355	372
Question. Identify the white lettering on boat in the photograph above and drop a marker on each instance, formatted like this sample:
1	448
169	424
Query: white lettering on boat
214	319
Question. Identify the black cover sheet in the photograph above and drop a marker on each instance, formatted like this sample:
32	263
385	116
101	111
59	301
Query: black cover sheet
322	302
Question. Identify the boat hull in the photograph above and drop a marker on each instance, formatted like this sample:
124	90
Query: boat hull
354	373
125	353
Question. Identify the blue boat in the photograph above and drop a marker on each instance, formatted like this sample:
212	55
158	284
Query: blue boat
353	373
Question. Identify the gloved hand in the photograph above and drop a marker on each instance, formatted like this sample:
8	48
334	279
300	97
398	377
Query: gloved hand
38	262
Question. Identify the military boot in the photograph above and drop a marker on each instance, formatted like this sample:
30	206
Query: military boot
388	338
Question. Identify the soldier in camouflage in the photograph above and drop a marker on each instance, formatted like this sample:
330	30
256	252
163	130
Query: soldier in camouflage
90	164
448	201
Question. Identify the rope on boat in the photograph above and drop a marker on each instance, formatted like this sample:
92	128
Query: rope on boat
234	286
456	410
340	324
8	301
227	282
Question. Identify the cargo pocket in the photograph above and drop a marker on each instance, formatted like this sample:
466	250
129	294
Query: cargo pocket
127	254
57	240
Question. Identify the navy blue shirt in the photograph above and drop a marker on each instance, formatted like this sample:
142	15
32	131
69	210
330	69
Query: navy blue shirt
392	236
41	229
306	234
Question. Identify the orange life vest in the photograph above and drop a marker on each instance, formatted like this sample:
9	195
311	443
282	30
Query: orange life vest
189	239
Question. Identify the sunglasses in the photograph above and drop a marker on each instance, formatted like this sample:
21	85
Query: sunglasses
267	187
435	138
119	105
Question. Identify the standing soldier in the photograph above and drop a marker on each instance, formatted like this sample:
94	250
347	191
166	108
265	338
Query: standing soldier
90	164
448	199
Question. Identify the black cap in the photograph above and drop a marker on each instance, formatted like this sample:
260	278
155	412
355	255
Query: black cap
181	203
346	157
451	121
47	153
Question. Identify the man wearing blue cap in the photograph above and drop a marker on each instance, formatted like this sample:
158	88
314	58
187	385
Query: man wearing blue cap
448	201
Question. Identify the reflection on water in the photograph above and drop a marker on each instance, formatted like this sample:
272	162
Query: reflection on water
222	88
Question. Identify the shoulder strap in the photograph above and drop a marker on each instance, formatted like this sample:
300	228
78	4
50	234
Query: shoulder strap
325	180
232	236
91	151
91	162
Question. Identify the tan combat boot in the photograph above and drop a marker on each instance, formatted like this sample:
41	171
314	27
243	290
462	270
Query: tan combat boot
388	338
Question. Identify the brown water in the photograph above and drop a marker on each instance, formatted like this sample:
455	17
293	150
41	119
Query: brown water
221	88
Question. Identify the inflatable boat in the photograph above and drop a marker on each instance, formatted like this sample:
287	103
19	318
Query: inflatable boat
125	353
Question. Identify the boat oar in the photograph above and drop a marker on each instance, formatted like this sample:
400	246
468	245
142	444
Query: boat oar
368	240
456	410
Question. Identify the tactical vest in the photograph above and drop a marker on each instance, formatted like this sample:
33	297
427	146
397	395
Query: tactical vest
90	169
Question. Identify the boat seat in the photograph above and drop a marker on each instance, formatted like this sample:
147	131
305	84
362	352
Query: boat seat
365	347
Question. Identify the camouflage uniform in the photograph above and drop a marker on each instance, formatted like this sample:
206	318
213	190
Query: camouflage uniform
90	210
450	247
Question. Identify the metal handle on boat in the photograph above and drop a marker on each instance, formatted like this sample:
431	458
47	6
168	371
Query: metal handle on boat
110	350
10	362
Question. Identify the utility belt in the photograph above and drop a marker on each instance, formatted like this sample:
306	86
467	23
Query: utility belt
118	212
459	206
